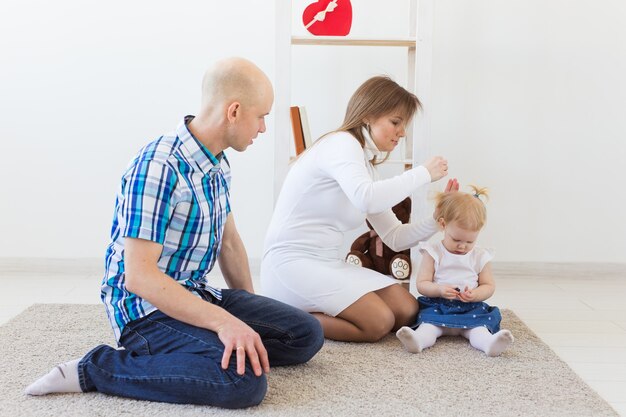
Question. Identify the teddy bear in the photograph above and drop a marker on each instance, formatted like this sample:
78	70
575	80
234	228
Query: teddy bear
369	251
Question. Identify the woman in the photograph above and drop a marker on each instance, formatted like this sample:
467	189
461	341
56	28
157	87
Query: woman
331	189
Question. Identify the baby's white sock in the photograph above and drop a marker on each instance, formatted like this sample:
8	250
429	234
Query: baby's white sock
491	344
62	378
417	340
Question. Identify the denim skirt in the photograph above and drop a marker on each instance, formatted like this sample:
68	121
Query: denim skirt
458	314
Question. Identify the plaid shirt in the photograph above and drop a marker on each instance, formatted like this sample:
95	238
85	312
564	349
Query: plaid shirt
175	193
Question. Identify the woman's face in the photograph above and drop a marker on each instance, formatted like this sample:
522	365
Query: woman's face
386	131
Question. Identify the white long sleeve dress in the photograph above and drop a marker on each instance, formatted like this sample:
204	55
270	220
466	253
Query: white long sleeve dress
330	190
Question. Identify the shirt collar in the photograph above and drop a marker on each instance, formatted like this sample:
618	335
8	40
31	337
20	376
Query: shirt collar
370	148
198	152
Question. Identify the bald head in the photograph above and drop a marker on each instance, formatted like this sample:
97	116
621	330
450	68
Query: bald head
234	79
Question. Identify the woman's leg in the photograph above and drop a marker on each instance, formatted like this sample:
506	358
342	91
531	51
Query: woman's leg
402	303
372	316
368	319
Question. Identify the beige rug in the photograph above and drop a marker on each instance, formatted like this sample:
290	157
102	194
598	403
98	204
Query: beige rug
344	379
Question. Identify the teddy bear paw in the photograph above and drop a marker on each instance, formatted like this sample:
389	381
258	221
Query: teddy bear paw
400	269
354	260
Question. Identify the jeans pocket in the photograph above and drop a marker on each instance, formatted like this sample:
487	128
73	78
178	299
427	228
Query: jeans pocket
134	342
206	295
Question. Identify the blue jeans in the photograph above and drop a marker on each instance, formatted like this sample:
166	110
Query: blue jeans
167	360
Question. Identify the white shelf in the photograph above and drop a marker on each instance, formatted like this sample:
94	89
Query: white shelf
399	161
418	44
407	42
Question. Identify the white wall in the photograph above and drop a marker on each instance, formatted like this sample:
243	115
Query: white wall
527	100
85	84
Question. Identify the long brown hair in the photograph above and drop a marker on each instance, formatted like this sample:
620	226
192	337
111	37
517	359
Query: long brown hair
376	97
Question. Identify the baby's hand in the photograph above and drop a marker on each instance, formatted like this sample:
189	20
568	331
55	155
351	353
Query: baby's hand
467	296
448	292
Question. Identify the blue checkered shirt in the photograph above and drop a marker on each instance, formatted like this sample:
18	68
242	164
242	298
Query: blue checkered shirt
175	193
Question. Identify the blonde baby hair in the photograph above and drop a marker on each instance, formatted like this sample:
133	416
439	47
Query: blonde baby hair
466	209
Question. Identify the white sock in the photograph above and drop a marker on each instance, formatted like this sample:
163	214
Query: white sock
491	344
62	378
417	340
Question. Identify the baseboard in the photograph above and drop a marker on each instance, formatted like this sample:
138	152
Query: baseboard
569	270
526	270
76	265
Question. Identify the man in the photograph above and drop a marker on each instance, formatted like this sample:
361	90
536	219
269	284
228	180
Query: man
184	341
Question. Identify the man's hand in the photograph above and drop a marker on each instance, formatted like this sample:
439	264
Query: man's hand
237	336
144	278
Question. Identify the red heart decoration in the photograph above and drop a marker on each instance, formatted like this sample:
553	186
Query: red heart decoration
328	17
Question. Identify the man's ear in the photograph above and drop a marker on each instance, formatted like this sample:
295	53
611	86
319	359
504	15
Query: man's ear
232	112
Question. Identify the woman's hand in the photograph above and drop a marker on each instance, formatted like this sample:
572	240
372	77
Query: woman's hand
448	292
437	167
240	339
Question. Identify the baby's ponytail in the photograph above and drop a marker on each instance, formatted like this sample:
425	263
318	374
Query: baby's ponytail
478	192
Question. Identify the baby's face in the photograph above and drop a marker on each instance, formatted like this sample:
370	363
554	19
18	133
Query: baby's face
458	240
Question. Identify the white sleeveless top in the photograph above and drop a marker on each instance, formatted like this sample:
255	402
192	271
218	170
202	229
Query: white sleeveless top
457	270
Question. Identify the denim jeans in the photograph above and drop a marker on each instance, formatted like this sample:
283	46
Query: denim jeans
167	360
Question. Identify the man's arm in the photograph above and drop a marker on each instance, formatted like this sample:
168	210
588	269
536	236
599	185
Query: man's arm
233	259
144	278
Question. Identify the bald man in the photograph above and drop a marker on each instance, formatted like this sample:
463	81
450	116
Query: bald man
185	341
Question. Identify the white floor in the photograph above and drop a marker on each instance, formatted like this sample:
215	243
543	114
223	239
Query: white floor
579	310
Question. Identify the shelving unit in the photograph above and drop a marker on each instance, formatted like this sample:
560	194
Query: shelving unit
345	41
418	44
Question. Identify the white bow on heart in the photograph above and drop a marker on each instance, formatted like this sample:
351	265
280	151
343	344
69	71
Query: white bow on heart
320	16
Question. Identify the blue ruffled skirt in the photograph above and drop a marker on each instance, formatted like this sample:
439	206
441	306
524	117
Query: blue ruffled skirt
458	314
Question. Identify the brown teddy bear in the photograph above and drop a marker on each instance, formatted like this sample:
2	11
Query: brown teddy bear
369	251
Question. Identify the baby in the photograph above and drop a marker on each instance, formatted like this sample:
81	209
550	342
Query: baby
455	278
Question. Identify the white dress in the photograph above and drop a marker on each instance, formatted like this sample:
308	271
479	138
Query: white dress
328	192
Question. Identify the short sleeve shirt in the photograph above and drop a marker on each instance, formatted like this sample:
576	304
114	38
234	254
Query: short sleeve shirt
175	193
457	270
